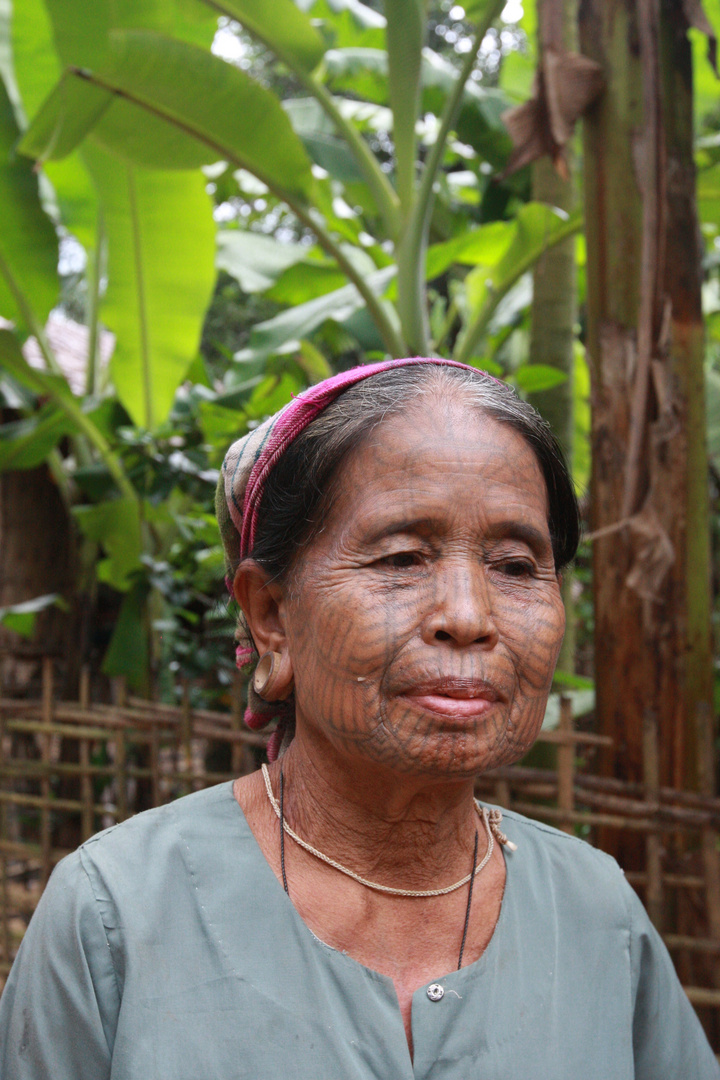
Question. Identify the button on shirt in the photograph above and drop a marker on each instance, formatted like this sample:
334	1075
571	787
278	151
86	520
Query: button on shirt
166	949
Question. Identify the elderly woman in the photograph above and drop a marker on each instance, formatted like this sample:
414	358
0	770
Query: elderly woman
395	538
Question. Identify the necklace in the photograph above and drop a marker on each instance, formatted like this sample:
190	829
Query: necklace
488	820
284	827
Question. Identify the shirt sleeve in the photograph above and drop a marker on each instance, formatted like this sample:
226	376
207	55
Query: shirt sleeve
668	1039
58	1011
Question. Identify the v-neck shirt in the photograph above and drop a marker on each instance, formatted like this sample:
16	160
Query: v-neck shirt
166	949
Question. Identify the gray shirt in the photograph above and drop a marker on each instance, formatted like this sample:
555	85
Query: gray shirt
166	949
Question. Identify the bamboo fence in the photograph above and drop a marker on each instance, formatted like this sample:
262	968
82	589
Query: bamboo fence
68	769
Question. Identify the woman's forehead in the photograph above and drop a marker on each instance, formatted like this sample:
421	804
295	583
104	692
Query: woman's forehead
434	455
433	434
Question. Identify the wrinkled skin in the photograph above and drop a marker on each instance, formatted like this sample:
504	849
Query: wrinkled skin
435	563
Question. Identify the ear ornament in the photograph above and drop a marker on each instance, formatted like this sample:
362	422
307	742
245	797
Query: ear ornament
273	680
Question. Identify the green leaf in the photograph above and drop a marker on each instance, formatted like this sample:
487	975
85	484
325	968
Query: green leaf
329	147
220	427
115	525
708	195
281	26
573	681
35	61
128	650
299	322
304	282
158	119
536	228
479	121
28	244
80	31
404	34
581	410
271	395
483	246
349	23
364	72
56	388
254	260
20	618
161	240
42	383
158	226
517	67
73	108
705	83
6	60
25	444
531	378
313	363
82	28
38	69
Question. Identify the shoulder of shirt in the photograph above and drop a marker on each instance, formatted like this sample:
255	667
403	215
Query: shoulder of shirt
590	882
578	852
163	823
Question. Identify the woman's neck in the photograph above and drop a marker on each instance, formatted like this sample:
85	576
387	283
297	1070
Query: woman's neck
393	828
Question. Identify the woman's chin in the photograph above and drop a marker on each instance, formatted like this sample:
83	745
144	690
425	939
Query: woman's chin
447	753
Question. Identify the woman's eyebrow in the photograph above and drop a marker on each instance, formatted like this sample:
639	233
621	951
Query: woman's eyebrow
419	526
510	528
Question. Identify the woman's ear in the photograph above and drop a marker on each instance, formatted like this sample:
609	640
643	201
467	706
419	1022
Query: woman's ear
262	601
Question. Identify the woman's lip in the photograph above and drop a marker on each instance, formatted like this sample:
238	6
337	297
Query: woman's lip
452	705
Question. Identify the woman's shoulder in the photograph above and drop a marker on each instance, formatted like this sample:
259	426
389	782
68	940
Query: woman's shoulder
560	863
202	809
549	839
156	846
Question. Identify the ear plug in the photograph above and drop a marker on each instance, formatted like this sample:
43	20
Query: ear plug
269	677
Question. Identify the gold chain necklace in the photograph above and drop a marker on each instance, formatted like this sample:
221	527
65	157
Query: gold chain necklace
491	820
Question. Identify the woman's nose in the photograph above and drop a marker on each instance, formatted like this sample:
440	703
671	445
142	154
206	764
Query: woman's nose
462	612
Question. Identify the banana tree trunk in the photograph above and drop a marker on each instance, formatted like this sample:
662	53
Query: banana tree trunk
645	348
554	306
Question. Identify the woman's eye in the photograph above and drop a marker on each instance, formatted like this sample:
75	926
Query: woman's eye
402	560
516	568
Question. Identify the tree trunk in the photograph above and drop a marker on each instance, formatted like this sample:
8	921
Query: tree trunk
36	558
554	306
645	350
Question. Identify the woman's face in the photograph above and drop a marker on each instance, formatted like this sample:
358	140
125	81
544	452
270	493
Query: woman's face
425	619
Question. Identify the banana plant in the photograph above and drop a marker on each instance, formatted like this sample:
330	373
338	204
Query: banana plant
138	100
150	232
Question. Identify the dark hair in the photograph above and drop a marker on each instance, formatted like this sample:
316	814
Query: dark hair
300	489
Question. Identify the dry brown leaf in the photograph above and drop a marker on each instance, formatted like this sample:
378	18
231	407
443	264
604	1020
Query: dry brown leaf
565	85
654	554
